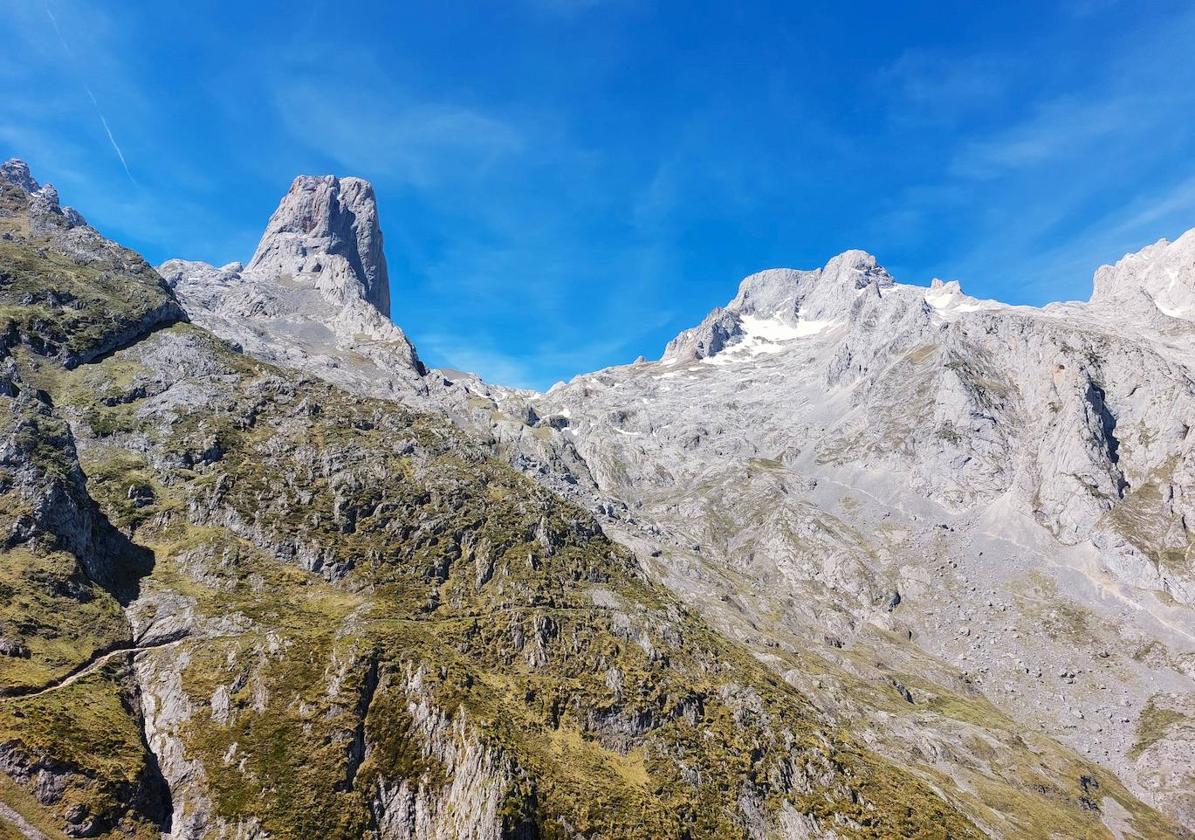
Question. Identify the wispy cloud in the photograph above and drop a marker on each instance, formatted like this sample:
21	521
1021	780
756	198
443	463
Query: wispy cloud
1063	270
95	102
942	85
1043	182
1171	207
1057	128
425	144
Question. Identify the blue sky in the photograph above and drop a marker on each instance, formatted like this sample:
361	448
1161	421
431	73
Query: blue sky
566	184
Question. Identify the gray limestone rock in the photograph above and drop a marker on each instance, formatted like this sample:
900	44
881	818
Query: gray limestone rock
325	233
1022	477
315	294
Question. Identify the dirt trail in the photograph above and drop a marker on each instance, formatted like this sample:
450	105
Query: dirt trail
20	823
97	660
101	658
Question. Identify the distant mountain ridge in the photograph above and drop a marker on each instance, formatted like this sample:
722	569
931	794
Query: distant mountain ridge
1063	422
853	559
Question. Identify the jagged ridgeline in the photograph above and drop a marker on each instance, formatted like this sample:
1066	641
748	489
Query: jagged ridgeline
236	601
323	616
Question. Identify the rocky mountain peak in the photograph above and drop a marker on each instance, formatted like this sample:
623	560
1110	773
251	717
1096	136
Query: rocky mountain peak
841	281
780	292
16	172
315	294
44	207
1160	276
325	234
857	270
818	296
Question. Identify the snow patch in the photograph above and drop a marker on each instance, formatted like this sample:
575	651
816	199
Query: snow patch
768	329
1186	313
940	298
948	297
812	327
763	336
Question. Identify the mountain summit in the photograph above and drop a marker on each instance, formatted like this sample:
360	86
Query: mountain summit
16	172
325	232
315	293
784	303
1159	278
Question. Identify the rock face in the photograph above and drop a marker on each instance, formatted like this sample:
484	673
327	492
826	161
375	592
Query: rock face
325	232
1007	489
915	477
316	293
16	172
320	615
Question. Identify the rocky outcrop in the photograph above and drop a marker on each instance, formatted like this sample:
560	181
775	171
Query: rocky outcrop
315	295
16	172
325	234
708	338
1158	280
168	710
45	213
103	295
467	802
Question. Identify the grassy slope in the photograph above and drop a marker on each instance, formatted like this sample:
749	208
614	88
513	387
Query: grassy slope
617	711
62	567
403	507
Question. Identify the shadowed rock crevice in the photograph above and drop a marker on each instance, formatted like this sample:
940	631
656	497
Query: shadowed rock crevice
358	745
156	801
1107	427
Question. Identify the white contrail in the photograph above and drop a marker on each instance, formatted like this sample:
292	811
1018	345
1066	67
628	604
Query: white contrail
58	31
111	139
99	111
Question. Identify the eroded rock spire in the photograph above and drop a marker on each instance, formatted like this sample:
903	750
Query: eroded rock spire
325	231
